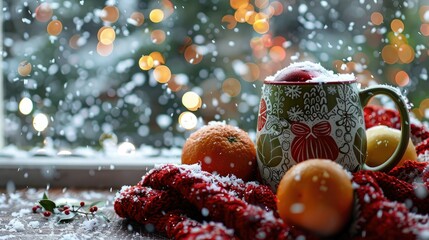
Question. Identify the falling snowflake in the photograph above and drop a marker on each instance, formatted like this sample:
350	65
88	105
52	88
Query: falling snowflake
295	114
293	91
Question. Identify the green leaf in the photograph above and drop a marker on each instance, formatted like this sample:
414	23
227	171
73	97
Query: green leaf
269	150
360	146
48	205
98	204
66	218
45	196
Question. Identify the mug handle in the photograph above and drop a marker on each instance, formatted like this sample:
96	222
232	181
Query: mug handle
365	95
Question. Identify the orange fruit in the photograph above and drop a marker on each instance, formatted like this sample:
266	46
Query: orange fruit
222	149
316	195
382	142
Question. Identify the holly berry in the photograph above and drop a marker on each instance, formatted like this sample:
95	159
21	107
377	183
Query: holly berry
82	204
93	209
35	208
67	211
47	214
66	207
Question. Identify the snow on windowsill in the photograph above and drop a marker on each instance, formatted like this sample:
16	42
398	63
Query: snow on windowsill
79	169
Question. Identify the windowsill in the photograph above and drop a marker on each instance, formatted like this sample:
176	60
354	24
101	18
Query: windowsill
77	171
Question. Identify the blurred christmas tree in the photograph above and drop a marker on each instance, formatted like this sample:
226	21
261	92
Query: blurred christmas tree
151	71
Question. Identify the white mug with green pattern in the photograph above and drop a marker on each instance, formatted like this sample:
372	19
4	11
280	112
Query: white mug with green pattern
307	112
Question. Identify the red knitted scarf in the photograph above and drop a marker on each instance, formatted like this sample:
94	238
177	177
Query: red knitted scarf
183	202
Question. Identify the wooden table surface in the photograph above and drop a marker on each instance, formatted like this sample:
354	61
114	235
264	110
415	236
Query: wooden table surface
17	221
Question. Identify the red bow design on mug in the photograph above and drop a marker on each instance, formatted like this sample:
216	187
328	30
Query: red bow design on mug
315	142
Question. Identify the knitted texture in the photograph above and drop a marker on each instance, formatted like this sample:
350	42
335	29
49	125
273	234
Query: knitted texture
184	202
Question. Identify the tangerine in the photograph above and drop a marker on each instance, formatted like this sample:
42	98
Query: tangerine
316	195
222	149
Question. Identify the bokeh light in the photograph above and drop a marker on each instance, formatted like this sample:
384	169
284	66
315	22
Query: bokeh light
276	7
389	54
277	53
25	106
110	14
261	26
145	62
231	86
108	139
157	36
40	122
192	101
192	54
377	18
24	68
55	27
424	29
406	53
126	148
162	74
156	15
229	22
104	50
237	4
402	78
43	12
397	26
261	4
136	19
188	120
106	35
157	58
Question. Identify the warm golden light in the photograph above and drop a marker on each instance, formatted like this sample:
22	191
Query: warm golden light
162	74
136	19
54	28
192	101
157	36
188	120
229	21
107	35
406	53
156	15
146	63
157	58
389	54
40	122
104	50
277	53
252	74
110	14
236	4
261	26
397	26
402	78
192	55
231	86
376	18
25	106
24	68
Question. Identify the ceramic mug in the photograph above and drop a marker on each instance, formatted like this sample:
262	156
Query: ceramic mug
305	120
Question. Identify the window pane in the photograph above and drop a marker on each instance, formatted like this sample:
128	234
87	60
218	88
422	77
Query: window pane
149	72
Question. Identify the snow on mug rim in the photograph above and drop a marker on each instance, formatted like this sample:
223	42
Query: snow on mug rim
323	76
